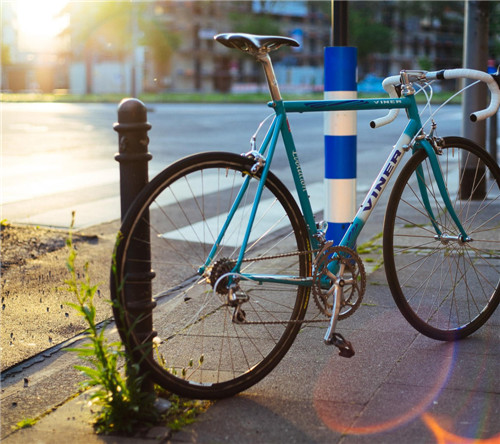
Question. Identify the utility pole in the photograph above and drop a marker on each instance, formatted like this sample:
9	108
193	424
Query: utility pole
475	98
340	128
339	23
475	57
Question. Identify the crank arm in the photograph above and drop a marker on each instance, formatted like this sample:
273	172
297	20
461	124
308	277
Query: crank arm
346	349
330	332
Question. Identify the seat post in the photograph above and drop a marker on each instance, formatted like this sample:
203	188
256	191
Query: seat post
270	75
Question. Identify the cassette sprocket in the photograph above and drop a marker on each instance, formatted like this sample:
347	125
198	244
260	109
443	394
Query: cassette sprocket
220	268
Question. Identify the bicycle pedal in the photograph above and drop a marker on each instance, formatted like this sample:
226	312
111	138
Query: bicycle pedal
346	349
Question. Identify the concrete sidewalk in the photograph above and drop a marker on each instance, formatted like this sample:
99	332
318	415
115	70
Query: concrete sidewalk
399	387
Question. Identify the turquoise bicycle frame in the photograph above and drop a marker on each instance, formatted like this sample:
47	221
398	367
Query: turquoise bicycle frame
279	125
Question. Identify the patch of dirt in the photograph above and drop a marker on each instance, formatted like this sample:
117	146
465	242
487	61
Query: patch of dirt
34	313
23	243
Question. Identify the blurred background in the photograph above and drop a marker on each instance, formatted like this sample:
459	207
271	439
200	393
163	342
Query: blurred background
124	47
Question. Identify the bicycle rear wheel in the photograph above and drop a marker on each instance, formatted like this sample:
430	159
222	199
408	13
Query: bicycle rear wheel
445	288
203	348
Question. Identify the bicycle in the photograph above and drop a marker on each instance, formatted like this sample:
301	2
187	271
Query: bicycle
236	258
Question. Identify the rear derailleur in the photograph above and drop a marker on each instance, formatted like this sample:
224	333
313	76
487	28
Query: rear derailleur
226	284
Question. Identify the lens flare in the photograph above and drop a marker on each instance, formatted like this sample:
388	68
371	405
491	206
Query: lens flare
444	437
362	426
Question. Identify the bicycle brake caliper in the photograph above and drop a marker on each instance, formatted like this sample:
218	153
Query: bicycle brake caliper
258	158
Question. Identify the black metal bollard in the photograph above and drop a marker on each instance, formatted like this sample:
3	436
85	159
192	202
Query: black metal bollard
132	128
133	156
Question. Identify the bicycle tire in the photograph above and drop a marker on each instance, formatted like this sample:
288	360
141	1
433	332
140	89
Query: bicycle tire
445	289
202	353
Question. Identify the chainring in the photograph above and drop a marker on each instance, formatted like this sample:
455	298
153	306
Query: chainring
349	269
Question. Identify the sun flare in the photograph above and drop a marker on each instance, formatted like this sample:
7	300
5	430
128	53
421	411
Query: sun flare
38	21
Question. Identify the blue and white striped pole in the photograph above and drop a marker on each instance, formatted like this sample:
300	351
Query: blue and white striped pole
340	142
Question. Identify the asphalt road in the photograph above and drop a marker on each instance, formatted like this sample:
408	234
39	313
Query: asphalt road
60	157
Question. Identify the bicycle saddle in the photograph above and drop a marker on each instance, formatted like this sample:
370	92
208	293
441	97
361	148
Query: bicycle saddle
254	43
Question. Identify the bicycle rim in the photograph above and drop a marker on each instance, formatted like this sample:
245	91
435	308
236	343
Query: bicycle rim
444	287
203	348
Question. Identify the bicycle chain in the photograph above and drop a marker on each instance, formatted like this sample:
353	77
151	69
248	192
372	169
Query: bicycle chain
292	321
320	300
278	256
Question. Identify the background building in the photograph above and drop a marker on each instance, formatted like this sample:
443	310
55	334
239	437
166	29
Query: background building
25	67
156	46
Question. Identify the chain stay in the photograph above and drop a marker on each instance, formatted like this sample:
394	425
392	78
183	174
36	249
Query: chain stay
290	321
301	253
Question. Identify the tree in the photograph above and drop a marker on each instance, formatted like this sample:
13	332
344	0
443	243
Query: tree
110	30
6	60
367	32
161	43
99	30
245	18
494	29
6	57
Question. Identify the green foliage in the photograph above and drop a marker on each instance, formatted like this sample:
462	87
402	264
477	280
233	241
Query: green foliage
123	405
366	32
184	412
260	98
372	247
161	40
244	19
425	63
184	371
103	27
255	23
25	423
6	58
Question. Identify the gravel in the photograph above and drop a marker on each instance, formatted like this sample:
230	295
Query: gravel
33	271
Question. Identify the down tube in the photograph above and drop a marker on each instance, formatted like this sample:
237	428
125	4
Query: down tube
378	186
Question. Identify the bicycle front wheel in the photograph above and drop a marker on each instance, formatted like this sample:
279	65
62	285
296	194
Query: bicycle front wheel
445	287
206	345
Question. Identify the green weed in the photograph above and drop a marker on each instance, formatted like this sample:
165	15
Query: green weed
184	412
372	247
25	423
123	405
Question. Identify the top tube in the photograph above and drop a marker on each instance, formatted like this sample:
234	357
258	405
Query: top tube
299	106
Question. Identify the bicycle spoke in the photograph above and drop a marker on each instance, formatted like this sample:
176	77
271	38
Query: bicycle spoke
444	286
212	344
